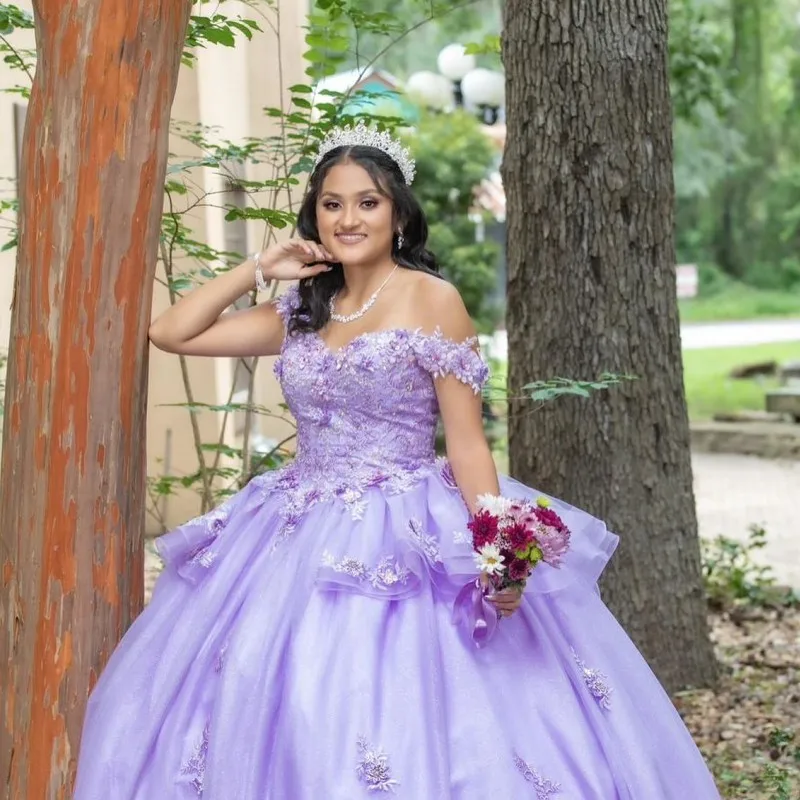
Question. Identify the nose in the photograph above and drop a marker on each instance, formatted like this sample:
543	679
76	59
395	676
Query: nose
349	217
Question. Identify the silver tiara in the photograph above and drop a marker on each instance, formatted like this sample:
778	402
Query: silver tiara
362	136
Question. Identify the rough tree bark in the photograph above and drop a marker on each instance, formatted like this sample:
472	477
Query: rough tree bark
73	471
588	175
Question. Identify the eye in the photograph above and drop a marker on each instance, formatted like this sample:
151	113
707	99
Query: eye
369	203
330	204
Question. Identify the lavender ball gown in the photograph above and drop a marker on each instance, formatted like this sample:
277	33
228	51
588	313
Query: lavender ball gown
300	644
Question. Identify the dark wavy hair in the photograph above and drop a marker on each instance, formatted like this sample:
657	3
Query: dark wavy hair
315	293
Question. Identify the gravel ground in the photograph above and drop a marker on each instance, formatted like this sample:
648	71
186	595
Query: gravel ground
741	724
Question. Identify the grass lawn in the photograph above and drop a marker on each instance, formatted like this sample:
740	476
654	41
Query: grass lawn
738	302
709	389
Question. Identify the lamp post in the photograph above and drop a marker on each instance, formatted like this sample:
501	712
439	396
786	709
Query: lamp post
460	83
485	90
455	64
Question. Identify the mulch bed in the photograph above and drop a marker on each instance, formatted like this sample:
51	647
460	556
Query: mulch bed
749	727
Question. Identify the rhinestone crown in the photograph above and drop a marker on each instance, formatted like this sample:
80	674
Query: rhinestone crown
362	136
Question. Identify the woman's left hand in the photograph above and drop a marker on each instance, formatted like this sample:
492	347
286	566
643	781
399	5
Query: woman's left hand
506	602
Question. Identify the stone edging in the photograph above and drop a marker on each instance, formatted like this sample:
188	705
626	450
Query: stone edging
765	439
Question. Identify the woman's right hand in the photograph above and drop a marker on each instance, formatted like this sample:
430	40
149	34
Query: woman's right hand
294	260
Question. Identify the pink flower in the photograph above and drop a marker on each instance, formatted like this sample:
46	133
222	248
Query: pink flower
519	569
553	542
484	529
519	536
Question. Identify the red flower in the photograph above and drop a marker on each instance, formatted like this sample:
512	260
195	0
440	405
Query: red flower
484	529
549	518
519	569
519	536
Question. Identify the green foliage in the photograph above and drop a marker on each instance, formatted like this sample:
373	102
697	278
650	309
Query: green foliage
215	29
409	37
489	45
737	164
453	156
696	57
733	575
776	777
12	17
9	207
546	391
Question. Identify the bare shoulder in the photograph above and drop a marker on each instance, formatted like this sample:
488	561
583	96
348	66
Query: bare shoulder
436	303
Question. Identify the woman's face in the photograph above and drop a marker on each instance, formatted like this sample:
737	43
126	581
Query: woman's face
354	220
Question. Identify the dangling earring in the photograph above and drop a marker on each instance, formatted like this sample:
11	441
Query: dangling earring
400	241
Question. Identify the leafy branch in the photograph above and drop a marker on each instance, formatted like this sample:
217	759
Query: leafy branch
546	391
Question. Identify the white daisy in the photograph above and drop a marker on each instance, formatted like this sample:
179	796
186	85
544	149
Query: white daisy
490	560
495	505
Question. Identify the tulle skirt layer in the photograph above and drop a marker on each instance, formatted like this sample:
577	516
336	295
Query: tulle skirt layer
319	659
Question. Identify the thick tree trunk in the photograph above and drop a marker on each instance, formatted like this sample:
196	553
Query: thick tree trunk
588	175
73	471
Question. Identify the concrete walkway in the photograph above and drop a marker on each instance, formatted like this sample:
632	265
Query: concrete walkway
732	493
699	335
736	491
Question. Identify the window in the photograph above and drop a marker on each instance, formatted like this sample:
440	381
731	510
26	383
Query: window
20	113
235	243
242	368
235	197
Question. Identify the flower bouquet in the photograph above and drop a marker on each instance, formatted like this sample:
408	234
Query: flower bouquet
510	538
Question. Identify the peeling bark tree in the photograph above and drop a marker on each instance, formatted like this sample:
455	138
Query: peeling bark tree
73	471
588	175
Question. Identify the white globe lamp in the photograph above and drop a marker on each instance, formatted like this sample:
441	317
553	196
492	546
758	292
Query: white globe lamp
454	63
430	89
485	90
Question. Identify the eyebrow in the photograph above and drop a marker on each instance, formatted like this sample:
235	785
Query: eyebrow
360	194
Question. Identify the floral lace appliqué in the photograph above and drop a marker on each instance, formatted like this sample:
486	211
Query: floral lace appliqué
214	522
441	357
426	542
544	789
301	493
462	537
196	765
373	768
388	572
596	682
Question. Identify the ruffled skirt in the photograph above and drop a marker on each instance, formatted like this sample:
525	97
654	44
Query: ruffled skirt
318	658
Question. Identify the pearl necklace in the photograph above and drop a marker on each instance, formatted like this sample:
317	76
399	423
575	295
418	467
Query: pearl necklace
361	311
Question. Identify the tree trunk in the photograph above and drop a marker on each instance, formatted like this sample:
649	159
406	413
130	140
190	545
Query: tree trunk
588	175
73	470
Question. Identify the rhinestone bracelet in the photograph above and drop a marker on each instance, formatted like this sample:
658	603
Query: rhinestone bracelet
262	283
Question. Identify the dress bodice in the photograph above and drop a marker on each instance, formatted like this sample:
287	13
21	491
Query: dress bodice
366	414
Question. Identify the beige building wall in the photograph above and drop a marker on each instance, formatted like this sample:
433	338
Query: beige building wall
12	116
227	90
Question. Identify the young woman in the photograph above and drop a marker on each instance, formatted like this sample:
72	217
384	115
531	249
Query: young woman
300	643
